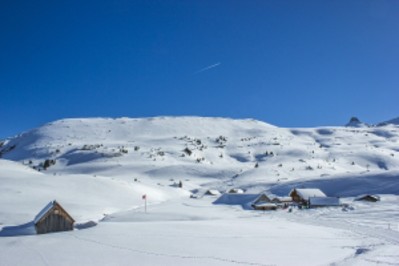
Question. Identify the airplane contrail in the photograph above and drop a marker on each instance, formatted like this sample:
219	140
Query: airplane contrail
208	67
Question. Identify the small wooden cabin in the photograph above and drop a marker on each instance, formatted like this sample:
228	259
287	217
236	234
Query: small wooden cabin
53	218
302	195
212	192
263	202
235	191
368	197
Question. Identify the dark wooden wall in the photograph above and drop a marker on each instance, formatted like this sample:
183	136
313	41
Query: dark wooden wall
295	197
55	221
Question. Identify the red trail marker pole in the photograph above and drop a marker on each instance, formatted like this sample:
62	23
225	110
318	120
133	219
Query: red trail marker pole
145	202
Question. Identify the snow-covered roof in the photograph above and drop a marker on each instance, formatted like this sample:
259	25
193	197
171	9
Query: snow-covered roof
236	190
236	199
365	196
262	198
265	204
213	192
43	212
282	199
47	208
306	193
324	201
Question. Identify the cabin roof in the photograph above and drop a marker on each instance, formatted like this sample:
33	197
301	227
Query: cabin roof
43	212
236	199
306	193
235	190
46	209
361	197
282	199
262	198
213	192
264	204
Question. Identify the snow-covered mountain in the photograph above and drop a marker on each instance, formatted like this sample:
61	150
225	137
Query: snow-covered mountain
245	153
100	168
394	121
355	122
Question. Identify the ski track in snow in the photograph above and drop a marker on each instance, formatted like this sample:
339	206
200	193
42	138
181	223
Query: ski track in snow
381	236
152	253
40	254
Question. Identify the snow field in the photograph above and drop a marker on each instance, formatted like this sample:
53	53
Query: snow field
251	239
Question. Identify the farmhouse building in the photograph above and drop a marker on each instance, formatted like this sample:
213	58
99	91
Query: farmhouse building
302	195
53	218
263	202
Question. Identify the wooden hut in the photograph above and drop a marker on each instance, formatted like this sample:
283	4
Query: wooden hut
235	191
263	202
302	195
212	192
368	197
53	218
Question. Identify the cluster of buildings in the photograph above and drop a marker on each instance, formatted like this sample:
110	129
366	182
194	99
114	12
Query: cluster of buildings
303	197
300	197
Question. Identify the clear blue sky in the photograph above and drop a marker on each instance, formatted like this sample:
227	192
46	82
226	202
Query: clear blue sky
289	63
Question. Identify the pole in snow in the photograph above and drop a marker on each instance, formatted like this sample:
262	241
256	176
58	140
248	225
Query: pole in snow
145	202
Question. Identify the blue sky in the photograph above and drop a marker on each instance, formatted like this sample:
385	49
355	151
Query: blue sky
289	63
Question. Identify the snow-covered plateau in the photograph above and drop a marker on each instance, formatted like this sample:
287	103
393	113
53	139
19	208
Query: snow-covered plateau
99	170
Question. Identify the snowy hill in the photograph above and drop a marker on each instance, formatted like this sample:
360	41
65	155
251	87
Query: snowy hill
355	122
100	168
394	121
243	152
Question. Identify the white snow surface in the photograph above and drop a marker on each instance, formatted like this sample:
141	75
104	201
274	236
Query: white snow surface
306	193
104	166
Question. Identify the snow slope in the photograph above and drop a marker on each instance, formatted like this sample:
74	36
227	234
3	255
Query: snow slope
216	148
394	121
98	169
25	192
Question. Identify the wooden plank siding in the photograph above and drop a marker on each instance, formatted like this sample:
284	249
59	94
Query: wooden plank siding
296	198
55	219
